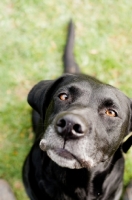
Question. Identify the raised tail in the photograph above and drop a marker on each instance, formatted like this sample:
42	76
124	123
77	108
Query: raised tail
70	65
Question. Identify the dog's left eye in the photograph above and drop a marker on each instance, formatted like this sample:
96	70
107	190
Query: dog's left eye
111	113
63	96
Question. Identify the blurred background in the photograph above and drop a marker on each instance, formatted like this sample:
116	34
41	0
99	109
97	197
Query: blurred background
32	38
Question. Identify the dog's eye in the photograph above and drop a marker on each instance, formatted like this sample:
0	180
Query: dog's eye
63	96
111	113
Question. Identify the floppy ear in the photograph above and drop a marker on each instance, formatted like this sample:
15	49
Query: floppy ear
128	142
130	129
38	97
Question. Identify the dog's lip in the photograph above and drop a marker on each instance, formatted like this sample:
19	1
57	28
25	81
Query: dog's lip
64	153
59	151
69	156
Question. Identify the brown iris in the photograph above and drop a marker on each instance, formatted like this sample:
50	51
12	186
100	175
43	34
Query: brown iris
110	113
63	96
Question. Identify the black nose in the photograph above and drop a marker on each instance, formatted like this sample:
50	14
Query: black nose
70	126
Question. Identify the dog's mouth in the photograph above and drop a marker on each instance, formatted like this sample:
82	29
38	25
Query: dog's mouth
64	158
64	153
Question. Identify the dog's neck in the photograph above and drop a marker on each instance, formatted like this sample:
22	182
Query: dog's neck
73	182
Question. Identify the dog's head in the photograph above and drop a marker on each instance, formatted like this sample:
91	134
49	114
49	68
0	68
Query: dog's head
85	121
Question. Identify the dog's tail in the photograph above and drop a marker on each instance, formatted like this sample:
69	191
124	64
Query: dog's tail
70	65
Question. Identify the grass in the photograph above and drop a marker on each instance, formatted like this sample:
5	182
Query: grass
32	36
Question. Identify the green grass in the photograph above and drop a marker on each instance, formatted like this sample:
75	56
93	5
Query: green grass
32	39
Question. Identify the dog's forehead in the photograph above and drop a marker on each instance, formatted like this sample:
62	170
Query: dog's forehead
82	82
90	86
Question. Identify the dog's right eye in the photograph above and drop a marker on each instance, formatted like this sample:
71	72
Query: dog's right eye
63	96
111	113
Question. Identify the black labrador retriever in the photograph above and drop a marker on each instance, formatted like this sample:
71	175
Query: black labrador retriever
80	126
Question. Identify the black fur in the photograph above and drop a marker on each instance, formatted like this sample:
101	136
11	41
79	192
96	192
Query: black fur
80	126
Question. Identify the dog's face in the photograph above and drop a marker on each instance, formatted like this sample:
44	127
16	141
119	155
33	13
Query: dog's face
85	120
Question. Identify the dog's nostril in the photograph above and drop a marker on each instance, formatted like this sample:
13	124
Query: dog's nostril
77	128
70	126
61	123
